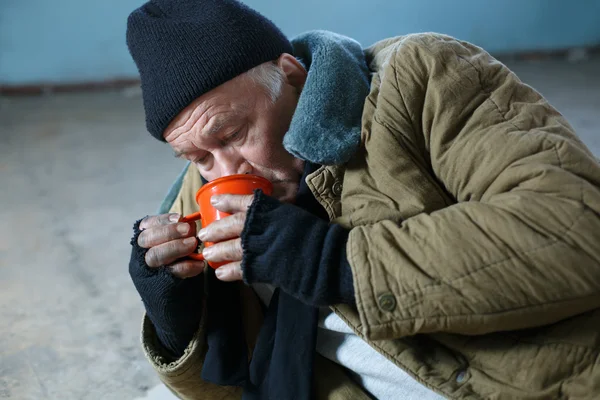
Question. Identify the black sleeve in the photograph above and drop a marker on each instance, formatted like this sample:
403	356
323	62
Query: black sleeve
172	304
296	251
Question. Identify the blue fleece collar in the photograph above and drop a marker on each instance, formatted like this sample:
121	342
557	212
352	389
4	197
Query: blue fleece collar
326	126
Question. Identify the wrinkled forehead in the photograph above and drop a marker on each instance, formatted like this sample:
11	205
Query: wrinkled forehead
217	107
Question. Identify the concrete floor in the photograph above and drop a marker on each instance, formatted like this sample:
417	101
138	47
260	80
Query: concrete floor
75	172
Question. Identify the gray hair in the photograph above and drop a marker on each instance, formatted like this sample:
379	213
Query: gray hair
270	76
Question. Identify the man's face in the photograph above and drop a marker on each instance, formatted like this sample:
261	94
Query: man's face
236	129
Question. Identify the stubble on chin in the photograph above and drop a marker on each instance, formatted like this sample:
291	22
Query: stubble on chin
285	191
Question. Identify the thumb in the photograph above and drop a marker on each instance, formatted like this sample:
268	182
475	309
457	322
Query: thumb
232	203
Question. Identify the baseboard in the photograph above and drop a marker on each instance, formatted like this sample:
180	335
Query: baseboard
573	54
48	88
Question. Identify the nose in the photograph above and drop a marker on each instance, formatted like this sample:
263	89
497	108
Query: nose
233	164
245	168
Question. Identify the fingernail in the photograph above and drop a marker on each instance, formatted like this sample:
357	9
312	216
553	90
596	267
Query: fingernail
190	240
207	252
183	228
219	273
215	200
174	217
202	234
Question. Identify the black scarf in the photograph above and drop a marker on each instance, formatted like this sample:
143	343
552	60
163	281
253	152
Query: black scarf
283	359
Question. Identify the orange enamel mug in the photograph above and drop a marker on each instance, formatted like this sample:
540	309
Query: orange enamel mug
232	184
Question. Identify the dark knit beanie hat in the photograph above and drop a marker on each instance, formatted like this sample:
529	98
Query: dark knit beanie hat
185	48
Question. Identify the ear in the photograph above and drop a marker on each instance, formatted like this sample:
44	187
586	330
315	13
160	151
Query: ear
294	72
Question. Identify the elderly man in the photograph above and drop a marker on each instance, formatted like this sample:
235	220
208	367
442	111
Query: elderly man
434	230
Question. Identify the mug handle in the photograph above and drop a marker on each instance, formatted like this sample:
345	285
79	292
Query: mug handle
189	218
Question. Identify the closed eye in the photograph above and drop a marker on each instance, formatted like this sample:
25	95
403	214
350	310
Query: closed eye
202	159
237	135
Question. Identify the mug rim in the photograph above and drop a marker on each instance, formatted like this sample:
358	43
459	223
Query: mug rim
222	179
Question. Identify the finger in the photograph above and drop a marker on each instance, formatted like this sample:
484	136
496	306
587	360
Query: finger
230	272
166	253
232	203
187	268
155	220
230	250
223	229
164	233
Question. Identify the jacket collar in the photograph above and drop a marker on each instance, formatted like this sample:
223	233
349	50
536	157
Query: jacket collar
326	126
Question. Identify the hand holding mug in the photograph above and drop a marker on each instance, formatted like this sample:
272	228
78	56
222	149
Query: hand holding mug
223	205
225	234
169	242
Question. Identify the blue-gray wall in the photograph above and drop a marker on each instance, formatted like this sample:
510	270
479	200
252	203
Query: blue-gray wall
84	40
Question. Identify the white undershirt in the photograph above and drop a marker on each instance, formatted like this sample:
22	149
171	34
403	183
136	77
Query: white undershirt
336	341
